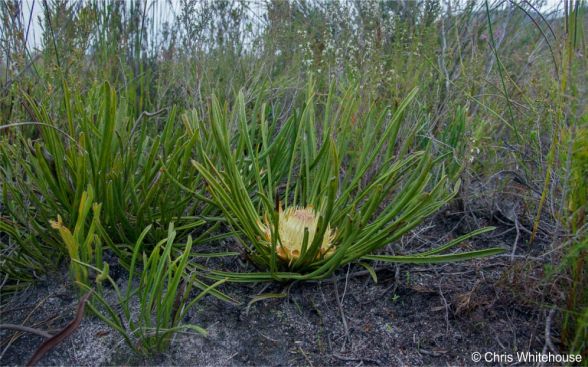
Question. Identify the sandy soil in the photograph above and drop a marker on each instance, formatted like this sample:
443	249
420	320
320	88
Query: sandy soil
413	315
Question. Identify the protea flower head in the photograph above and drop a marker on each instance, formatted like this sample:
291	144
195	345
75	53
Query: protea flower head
291	225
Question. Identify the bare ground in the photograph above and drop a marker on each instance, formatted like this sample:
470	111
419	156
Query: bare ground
413	315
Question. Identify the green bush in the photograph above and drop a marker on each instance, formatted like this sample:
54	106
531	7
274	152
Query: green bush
131	166
162	295
318	194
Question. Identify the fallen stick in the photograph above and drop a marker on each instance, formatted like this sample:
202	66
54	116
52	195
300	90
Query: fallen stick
56	339
26	329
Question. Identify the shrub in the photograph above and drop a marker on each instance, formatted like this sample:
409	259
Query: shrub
162	296
321	194
129	166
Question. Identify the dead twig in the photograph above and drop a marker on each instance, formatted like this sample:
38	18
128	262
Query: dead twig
446	309
64	333
340	305
516	241
356	359
26	329
18	335
305	357
548	342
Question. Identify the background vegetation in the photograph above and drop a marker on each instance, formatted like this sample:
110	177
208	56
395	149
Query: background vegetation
107	99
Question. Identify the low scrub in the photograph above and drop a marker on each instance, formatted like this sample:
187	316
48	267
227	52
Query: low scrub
315	195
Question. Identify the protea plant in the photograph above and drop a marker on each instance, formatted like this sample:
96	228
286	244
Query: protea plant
297	228
307	197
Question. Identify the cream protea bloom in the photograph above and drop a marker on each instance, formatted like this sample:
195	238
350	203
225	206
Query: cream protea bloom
291	226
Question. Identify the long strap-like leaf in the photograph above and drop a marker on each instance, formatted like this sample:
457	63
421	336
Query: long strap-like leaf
64	333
